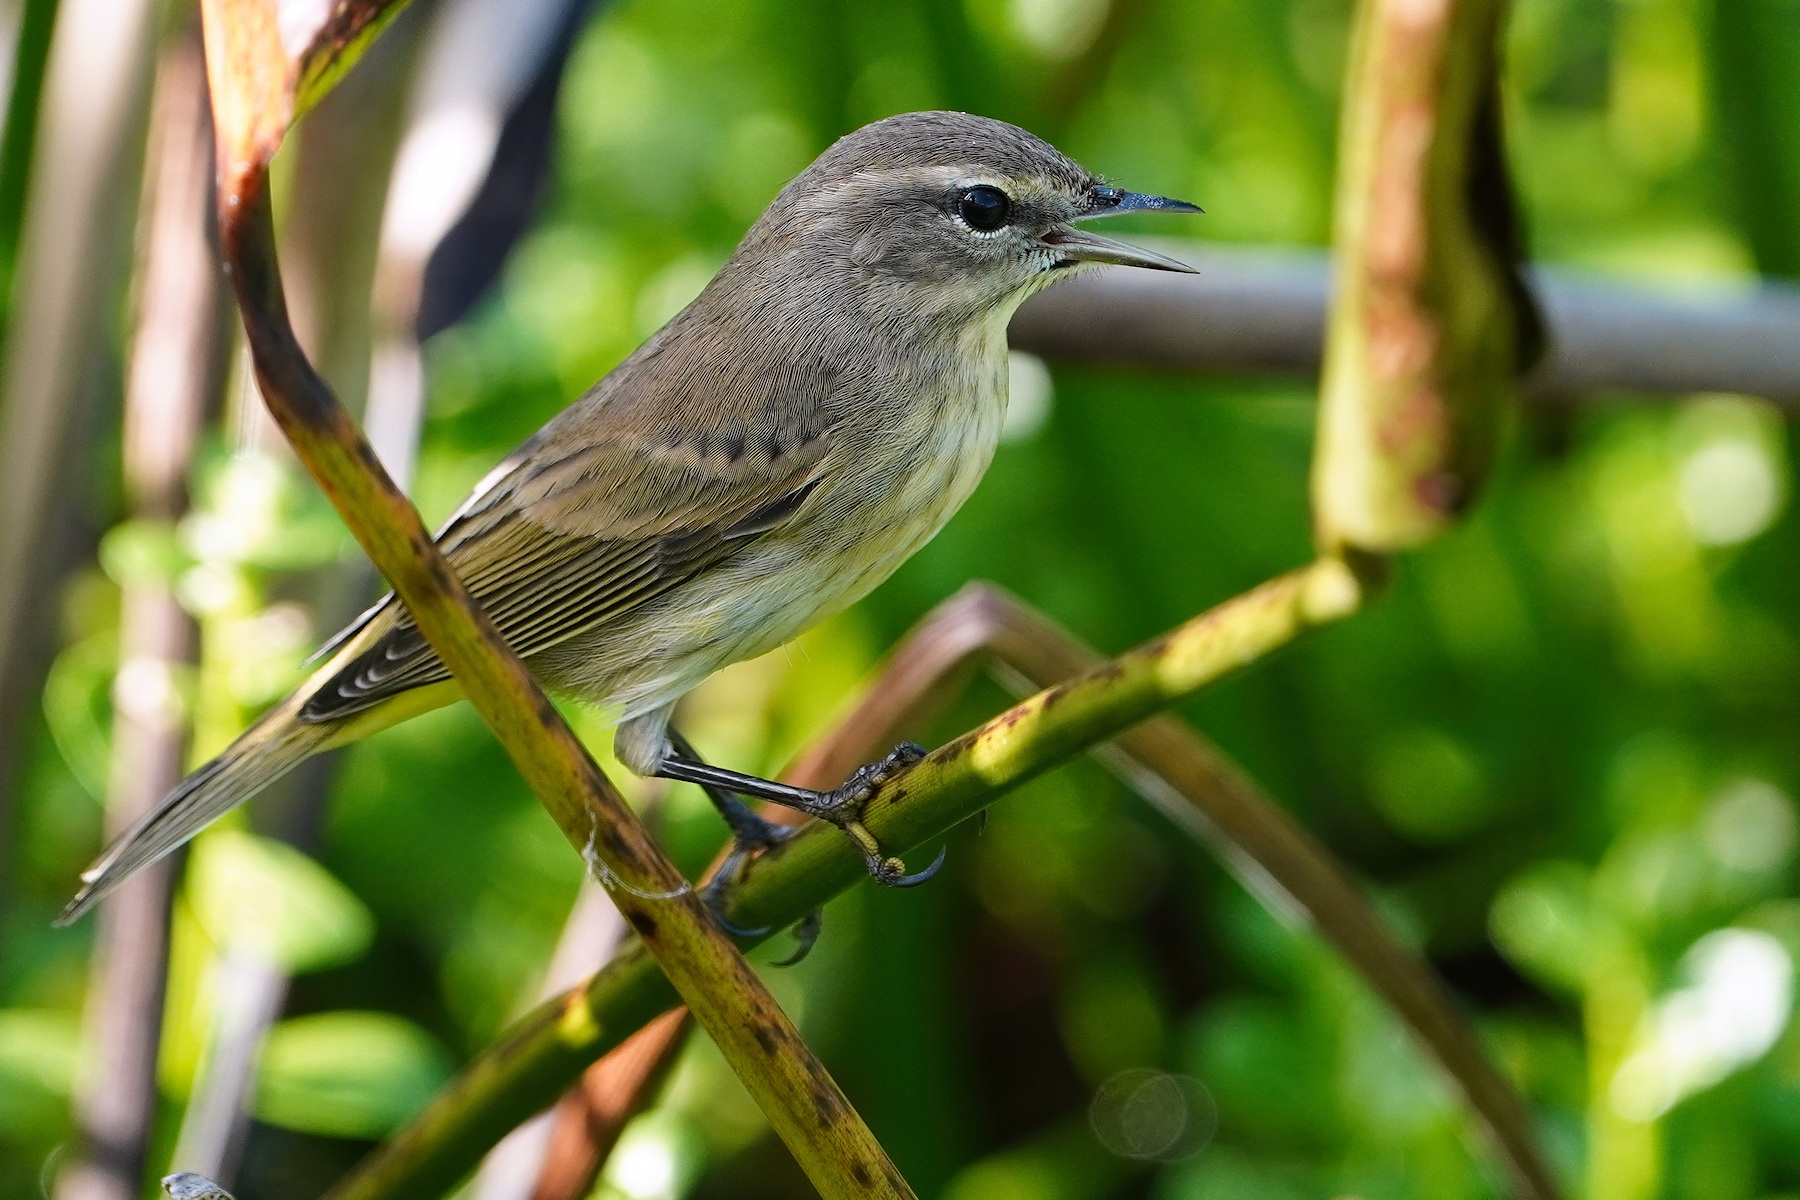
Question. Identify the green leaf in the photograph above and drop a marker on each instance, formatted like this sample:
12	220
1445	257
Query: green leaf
1543	921
260	896
347	1074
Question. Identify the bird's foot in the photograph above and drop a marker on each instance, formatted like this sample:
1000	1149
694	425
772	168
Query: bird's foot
843	806
753	837
806	935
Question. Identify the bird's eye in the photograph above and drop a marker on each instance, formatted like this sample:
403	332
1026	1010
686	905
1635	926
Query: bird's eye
984	208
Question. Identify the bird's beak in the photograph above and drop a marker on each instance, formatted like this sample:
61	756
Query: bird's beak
1112	202
1078	246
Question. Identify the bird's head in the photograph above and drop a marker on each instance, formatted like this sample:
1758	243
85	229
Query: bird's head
945	213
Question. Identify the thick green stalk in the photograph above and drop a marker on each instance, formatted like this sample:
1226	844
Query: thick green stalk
546	1050
1429	321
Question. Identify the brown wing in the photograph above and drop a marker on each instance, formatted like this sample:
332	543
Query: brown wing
591	518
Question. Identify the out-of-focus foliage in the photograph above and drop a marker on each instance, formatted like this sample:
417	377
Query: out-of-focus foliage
347	1074
1560	751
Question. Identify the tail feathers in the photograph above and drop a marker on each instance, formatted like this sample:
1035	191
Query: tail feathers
265	752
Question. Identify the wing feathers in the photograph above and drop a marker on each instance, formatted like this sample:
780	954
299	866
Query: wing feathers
543	583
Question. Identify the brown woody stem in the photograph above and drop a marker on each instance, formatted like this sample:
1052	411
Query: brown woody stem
802	1102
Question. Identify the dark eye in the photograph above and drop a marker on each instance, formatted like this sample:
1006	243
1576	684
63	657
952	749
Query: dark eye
984	208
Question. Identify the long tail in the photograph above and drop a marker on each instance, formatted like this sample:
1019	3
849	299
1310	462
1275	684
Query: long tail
265	752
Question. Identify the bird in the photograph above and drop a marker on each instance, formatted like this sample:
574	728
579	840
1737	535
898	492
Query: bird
764	460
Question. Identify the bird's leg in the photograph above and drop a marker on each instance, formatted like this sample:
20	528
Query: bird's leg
842	806
750	833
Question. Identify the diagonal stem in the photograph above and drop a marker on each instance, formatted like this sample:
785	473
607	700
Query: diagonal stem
550	1048
1193	783
1164	759
803	1103
1202	791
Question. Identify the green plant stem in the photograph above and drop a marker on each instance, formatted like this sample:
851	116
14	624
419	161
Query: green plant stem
803	1103
550	1047
1169	763
1429	321
1202	791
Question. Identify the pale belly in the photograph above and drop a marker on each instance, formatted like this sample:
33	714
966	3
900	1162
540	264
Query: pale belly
788	580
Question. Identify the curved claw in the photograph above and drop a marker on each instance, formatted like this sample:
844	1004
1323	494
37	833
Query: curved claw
806	935
892	873
713	896
736	930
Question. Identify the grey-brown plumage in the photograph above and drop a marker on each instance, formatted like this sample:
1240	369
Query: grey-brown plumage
768	457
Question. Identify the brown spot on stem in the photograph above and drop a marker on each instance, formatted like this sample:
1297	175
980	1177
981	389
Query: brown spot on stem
860	1173
825	1100
644	923
950	751
1009	718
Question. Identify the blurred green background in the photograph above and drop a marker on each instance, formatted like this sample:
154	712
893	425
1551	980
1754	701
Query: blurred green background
1560	752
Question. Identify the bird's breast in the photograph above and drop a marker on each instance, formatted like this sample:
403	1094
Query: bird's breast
899	481
917	471
894	485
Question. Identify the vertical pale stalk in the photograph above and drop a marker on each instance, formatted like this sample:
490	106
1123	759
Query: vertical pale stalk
170	380
72	252
1428	320
248	994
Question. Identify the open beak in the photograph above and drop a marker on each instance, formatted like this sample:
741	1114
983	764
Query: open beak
1080	246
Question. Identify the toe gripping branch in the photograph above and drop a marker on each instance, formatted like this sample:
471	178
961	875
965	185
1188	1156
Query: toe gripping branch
842	806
